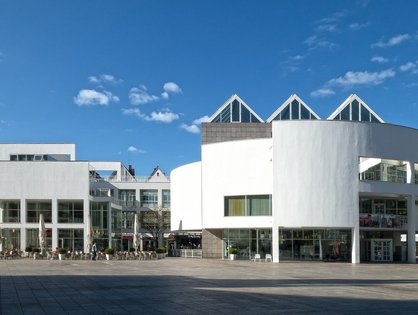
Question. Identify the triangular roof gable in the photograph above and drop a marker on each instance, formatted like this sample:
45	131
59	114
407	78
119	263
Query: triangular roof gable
227	103
287	102
349	99
157	175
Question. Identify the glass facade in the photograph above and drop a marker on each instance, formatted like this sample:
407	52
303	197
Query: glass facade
355	111
35	208
100	221
376	169
252	205
248	242
71	239
11	239
236	112
70	211
295	110
10	211
166	198
32	238
149	198
315	244
385	213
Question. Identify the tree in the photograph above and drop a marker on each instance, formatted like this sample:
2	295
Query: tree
155	222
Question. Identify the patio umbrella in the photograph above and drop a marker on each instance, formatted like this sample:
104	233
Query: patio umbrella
136	239
42	233
89	234
1	239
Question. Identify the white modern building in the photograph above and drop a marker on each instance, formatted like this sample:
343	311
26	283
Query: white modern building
47	179
299	187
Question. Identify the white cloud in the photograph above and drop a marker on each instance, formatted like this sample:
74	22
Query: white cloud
195	126
362	78
171	87
314	42
379	59
292	63
88	97
132	112
133	149
322	92
140	96
104	78
358	26
327	27
164	95
164	116
336	16
393	41
190	128
408	66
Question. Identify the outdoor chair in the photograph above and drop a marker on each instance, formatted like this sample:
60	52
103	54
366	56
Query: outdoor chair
257	257
268	257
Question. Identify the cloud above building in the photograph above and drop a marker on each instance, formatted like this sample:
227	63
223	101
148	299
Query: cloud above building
88	97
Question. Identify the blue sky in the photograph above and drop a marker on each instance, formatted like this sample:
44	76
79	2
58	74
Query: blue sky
130	80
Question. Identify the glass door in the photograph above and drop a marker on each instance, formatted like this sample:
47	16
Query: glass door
381	250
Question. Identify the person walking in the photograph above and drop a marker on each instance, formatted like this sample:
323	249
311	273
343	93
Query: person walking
94	251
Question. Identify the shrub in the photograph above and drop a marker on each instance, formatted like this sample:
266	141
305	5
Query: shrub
233	250
28	249
131	249
161	250
36	250
109	251
61	251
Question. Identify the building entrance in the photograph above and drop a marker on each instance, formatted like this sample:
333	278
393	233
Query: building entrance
381	250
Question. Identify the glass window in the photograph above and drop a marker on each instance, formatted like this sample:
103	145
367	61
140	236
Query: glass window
245	114
248	242
259	205
338	117
345	113
226	114
35	208
285	113
365	114
235	111
10	211
235	206
71	239
355	110
32	238
254	119
217	119
295	110
304	112
166	198
10	239
373	118
149	198
70	211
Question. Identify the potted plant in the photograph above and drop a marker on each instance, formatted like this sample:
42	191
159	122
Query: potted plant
109	253
161	252
232	253
61	253
28	250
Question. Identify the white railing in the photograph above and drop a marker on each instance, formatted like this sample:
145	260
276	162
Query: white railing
125	179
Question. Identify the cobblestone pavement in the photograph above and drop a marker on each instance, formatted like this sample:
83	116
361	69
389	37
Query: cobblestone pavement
187	286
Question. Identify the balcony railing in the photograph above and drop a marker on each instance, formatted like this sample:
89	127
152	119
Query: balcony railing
125	179
383	221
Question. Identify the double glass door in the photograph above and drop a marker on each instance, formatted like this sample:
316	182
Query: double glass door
381	250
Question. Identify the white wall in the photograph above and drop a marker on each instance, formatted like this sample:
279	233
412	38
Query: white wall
186	197
233	168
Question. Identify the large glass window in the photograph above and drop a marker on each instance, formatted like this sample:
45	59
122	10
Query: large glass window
71	239
149	198
100	223
35	208
70	211
248	242
10	239
32	238
318	244
10	211
252	205
127	196
384	213
382	170
166	198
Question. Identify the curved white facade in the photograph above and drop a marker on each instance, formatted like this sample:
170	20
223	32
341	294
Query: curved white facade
311	170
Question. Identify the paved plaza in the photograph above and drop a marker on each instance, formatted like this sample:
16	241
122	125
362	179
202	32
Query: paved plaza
187	286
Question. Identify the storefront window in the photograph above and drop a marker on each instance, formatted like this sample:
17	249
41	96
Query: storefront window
10	239
306	244
71	239
248	242
32	238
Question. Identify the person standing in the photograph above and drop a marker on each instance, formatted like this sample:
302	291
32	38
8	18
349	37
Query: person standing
94	251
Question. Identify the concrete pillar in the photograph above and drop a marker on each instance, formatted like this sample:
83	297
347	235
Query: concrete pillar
355	251
275	244
411	230
410	172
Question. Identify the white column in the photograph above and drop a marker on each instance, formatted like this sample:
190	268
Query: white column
410	172
355	251
275	244
411	230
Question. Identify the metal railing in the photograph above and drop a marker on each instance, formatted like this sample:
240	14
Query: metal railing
125	179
